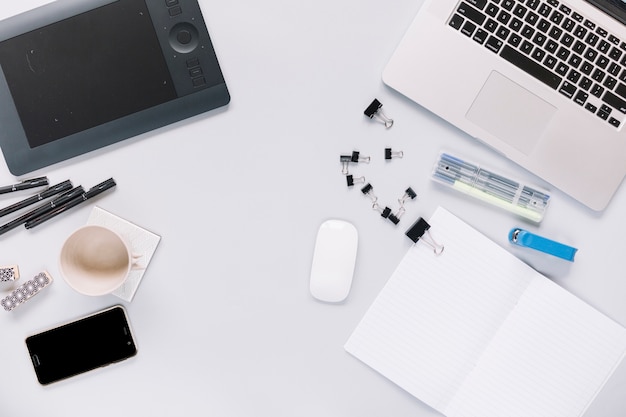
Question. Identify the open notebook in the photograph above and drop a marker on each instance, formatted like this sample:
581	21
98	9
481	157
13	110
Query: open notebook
476	332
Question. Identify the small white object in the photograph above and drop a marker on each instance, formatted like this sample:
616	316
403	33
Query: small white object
141	241
333	260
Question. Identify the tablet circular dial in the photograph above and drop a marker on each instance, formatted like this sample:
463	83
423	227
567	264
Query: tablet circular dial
183	37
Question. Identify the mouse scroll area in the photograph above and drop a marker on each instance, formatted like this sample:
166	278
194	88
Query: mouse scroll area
334	260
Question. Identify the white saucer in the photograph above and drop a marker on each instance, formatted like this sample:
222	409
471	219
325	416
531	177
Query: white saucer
141	241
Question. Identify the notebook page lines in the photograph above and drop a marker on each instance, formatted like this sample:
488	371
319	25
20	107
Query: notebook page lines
435	316
549	358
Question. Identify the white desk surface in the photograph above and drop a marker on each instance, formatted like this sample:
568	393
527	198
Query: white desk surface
224	320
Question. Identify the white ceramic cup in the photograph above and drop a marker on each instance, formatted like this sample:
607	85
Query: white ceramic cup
96	260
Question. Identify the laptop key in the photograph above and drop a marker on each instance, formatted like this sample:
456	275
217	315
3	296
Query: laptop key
597	90
526	47
555	32
604	46
556	17
591	54
479	4
527	31
550	61
519	11
609	82
592	39
568	24
516	24
532	4
580	33
581	98
492	10
539	39
567	40
503	32
562	53
531	67
481	36
456	22
573	76
552	46
468	29
603	114
615	54
568	89
614	69
561	68
504	17
531	18
585	83
575	60
538	54
494	44
586	68
508	4
621	90
545	10
470	13
516	39
598	75
543	25
579	47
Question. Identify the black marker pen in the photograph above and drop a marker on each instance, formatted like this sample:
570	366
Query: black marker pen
24	185
93	191
51	191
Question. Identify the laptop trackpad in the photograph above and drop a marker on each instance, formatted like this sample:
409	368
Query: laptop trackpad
510	112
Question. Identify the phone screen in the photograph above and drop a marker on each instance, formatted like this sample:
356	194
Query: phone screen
82	345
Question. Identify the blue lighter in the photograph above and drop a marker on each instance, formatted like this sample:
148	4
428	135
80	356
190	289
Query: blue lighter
524	238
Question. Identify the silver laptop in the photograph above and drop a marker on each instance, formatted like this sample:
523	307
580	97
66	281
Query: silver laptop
541	81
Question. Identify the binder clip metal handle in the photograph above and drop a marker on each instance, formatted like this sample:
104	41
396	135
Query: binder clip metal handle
375	111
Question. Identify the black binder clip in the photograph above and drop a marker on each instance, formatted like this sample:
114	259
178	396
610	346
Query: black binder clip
409	194
419	230
368	190
395	218
385	213
351	180
356	158
345	160
374	110
389	154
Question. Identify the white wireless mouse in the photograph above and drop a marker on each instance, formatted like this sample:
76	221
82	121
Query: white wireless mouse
333	260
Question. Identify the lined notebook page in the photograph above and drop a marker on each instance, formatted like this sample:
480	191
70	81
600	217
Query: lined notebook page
550	358
454	330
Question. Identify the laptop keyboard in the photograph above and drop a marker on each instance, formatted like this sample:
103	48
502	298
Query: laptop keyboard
555	44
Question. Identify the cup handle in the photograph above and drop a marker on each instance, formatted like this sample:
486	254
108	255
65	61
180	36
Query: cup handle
135	257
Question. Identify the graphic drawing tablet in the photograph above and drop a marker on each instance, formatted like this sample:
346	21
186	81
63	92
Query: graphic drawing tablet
77	75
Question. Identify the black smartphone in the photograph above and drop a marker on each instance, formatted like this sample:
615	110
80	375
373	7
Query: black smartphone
91	342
